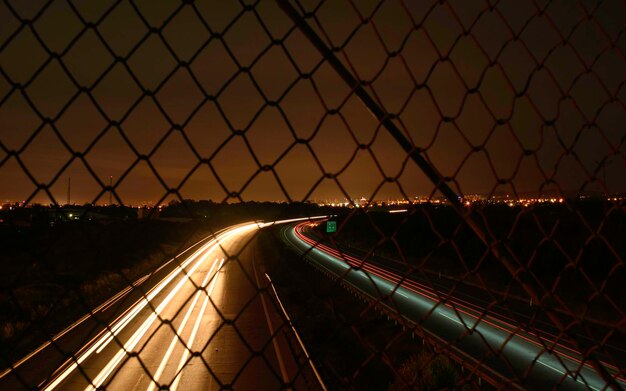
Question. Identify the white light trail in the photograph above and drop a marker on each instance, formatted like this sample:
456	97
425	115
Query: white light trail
263	225
179	331
138	335
123	320
118	325
196	327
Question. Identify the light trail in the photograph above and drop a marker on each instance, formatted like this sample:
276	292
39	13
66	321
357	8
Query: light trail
119	324
459	305
109	303
118	327
114	331
138	335
125	319
498	334
179	331
196	327
101	308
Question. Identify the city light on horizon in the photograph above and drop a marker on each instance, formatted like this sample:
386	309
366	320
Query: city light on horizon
236	145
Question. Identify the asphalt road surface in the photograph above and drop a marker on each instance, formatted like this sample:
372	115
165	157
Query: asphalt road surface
503	349
205	321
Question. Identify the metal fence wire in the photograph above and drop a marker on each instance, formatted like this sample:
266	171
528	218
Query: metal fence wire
467	160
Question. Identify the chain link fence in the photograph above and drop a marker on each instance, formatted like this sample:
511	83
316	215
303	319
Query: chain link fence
466	159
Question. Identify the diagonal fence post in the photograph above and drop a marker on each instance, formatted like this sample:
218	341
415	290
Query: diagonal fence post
496	248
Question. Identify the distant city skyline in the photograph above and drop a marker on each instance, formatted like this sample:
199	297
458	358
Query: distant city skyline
470	198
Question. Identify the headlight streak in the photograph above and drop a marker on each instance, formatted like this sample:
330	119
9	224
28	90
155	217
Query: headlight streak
180	330
115	330
214	244
138	335
196	327
125	319
101	308
103	339
380	278
132	342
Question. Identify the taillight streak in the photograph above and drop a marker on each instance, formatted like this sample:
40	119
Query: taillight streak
429	293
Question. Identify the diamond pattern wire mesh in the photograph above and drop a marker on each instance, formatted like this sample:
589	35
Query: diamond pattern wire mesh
510	97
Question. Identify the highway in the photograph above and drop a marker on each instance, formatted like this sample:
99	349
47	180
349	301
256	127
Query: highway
504	351
207	321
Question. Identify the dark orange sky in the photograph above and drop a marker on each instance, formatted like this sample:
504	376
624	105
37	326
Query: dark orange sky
474	101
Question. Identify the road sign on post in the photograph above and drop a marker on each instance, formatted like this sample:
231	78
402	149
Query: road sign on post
331	226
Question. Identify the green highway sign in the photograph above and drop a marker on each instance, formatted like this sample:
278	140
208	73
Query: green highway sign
331	226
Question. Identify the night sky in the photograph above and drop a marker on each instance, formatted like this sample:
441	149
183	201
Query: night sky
475	87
